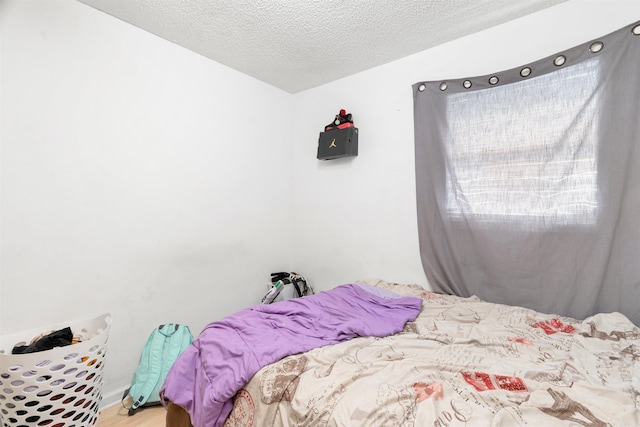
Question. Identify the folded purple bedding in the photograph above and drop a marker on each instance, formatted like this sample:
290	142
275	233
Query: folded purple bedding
229	352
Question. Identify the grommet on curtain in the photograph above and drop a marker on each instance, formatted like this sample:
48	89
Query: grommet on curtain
493	80
466	84
636	30
443	86
596	47
560	59
422	87
525	72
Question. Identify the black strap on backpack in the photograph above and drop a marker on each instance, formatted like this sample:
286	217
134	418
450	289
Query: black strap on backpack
279	276
294	282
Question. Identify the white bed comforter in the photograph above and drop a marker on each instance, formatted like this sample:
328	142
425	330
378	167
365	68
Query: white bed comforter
463	362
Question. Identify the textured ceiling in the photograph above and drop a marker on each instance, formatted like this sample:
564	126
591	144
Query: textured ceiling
300	44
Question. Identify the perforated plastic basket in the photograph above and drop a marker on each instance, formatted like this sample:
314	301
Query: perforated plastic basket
61	387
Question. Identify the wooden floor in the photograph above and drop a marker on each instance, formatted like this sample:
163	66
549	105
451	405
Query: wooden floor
145	417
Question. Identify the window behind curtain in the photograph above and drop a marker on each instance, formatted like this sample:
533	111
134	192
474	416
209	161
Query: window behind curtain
505	166
528	181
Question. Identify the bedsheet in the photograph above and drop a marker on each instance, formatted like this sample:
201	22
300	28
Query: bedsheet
228	352
462	362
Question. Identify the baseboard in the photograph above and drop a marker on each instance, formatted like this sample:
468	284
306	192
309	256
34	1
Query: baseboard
113	398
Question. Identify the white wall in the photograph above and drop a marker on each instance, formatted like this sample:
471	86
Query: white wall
138	178
356	218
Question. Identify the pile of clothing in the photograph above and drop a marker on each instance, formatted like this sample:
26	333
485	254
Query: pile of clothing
47	341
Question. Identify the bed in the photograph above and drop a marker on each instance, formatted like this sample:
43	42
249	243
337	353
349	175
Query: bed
459	362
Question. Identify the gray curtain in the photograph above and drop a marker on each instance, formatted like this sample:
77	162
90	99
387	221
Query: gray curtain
528	181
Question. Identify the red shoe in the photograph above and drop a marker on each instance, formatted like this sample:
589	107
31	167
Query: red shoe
342	120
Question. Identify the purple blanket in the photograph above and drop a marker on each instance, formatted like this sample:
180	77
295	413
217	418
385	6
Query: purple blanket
227	353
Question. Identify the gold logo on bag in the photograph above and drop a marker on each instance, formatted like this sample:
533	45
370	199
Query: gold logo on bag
333	144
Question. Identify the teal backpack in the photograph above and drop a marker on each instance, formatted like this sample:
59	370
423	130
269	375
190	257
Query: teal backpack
163	347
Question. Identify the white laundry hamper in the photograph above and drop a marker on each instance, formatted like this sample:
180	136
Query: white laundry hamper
61	387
